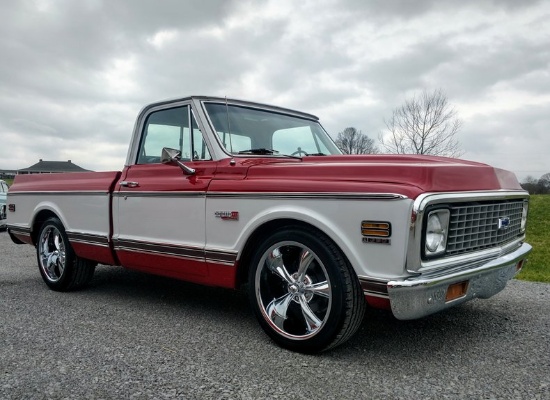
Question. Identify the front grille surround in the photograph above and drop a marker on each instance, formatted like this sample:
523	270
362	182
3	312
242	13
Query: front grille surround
481	225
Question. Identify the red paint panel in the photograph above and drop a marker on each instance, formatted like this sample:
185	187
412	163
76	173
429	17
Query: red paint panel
164	178
73	182
406	175
374	173
222	275
186	270
161	264
100	254
378	302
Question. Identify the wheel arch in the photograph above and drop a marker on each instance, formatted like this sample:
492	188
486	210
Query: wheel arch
263	231
39	219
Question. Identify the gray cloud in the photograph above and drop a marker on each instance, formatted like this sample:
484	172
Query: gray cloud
75	74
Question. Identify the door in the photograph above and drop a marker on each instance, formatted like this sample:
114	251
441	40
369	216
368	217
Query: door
159	210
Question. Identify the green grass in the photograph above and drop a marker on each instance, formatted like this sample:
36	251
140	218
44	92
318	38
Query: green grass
8	181
538	236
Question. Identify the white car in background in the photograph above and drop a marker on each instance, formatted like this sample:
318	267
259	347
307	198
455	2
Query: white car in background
3	193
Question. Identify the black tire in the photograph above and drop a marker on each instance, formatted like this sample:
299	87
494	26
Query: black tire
60	268
303	291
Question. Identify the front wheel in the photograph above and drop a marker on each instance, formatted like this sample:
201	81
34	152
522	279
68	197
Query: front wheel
303	291
60	268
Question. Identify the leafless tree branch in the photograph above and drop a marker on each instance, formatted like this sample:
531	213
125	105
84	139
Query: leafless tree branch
352	141
425	124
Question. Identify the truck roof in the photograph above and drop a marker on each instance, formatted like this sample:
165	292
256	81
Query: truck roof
233	101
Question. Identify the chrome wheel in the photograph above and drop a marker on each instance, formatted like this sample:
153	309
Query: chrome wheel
52	254
293	290
60	267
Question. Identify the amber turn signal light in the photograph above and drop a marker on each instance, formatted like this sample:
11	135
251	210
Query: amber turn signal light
374	228
456	291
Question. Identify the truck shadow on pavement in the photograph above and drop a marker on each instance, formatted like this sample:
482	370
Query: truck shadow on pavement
445	334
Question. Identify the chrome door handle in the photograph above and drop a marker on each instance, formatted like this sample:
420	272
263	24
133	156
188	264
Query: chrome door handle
129	184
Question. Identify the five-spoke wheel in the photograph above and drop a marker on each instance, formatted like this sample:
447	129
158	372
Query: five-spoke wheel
293	290
60	268
303	291
51	253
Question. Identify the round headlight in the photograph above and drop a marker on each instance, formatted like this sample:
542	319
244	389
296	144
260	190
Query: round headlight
434	233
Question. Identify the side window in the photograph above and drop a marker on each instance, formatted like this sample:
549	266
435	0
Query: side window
165	128
170	128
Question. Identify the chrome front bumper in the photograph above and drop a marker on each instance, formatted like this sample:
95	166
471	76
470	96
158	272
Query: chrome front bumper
426	294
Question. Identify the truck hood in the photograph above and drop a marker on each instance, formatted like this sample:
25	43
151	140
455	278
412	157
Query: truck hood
403	174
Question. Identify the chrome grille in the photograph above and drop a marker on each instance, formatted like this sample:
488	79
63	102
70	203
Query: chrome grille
478	226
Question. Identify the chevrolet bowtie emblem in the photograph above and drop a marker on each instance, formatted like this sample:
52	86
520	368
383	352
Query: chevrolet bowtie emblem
503	223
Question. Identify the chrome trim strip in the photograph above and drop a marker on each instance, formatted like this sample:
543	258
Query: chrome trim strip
174	194
374	287
62	193
220	256
19	230
183	252
306	195
88	238
424	199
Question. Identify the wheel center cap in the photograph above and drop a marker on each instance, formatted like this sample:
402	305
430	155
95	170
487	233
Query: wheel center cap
293	288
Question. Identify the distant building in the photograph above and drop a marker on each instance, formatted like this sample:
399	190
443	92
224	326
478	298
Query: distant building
51	167
7	173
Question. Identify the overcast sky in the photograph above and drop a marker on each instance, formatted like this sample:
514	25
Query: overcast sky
74	74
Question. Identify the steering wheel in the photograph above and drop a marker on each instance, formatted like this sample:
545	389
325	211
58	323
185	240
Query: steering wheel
299	152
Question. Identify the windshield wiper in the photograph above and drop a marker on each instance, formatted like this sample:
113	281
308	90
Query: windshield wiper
270	152
315	154
258	151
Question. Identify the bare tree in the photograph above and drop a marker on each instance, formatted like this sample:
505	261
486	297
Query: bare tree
352	141
425	124
530	184
537	186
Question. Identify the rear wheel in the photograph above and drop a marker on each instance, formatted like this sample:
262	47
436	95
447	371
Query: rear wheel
60	268
304	292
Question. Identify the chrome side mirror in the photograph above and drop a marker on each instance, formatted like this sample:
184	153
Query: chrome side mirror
172	155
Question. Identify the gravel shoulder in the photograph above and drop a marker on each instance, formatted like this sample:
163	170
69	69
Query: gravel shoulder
137	336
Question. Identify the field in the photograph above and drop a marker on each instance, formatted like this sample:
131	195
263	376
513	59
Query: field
538	236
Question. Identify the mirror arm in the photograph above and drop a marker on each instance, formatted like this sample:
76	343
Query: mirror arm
173	155
185	168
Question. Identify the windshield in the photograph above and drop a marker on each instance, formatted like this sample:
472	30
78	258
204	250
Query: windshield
243	130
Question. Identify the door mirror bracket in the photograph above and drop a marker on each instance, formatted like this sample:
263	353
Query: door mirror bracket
172	155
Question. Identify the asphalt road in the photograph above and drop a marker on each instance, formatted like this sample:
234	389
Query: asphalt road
137	336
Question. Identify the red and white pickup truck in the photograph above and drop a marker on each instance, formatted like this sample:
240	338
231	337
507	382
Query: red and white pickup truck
226	192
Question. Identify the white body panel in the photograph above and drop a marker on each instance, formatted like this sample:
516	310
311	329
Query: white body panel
338	219
175	220
79	212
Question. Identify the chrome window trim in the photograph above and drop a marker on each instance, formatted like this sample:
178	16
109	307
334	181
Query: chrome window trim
260	107
414	263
